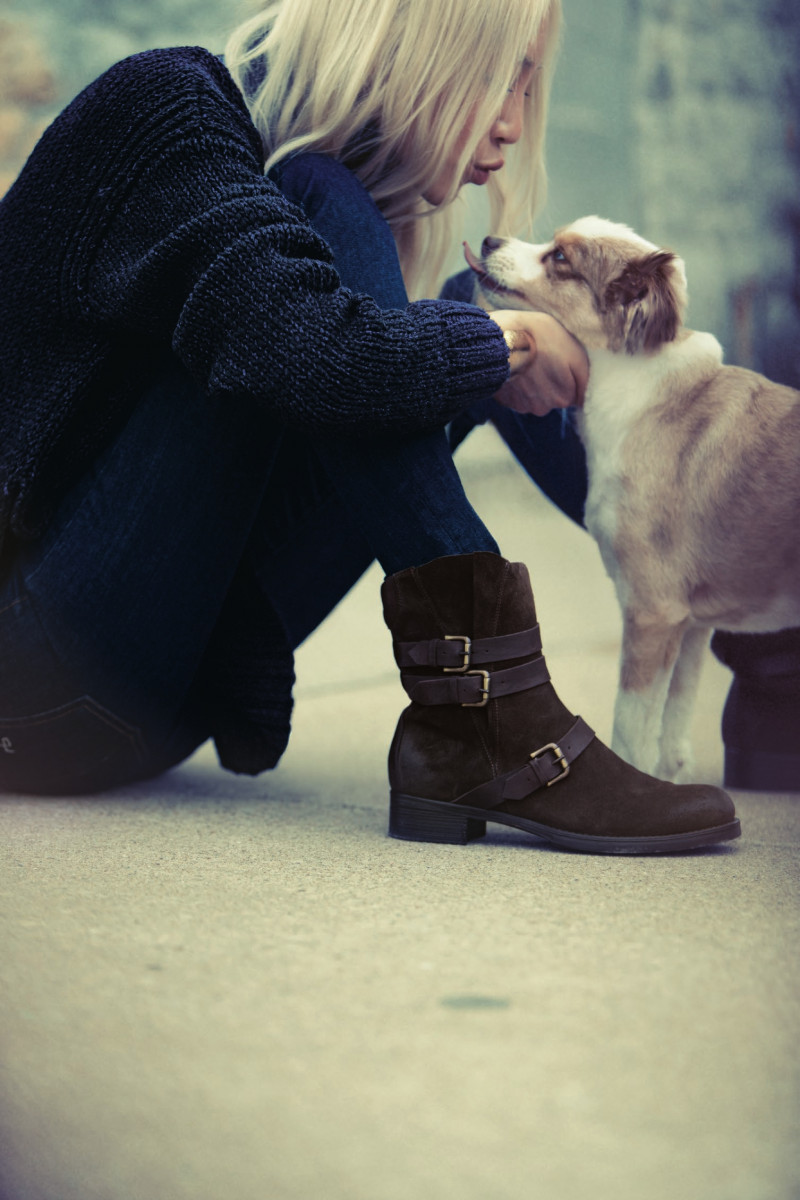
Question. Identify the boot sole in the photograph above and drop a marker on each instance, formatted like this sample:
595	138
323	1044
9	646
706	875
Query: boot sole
414	819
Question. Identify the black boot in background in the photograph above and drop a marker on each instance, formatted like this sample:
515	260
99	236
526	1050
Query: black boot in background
761	720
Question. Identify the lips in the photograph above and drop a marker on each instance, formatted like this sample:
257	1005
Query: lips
479	172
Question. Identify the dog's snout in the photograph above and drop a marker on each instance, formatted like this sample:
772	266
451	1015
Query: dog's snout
491	243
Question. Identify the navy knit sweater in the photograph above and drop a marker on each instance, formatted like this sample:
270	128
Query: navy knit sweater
142	222
142	226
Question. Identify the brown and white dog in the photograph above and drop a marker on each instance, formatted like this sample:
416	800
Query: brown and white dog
694	468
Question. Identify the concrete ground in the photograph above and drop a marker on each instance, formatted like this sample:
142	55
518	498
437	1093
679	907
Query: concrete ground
222	987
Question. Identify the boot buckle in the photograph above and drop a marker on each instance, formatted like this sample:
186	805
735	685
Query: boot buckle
560	758
462	670
484	700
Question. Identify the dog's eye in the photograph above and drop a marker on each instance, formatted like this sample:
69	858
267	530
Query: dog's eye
558	255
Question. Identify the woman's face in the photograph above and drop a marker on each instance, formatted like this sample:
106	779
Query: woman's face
489	156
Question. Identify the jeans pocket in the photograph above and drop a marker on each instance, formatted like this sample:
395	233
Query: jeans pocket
75	748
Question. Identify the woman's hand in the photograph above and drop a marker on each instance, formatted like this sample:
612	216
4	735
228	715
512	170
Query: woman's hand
553	373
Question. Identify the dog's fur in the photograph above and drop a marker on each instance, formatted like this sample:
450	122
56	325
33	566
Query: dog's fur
694	468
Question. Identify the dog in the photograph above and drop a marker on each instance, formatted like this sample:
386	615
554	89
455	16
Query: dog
694	468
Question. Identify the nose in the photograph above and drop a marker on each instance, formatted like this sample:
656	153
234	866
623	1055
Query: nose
507	128
491	243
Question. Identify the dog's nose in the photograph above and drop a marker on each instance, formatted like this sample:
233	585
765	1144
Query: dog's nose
491	243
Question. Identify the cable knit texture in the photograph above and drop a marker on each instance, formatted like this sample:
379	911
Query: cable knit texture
142	226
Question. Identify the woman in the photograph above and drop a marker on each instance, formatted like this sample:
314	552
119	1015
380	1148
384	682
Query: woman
207	438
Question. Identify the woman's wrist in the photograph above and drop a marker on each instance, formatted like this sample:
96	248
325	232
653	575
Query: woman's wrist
520	342
476	347
515	339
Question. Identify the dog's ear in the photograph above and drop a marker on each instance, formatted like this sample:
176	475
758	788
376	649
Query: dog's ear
647	300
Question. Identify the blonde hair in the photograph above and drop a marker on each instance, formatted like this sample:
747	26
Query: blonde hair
388	87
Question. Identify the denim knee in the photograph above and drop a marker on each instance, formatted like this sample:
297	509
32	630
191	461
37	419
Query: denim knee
342	211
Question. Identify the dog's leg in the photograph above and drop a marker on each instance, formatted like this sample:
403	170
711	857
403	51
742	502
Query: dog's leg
650	646
675	761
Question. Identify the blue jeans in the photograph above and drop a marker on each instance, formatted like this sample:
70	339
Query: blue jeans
104	622
547	447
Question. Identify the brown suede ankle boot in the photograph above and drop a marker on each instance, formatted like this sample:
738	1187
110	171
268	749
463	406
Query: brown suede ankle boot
486	738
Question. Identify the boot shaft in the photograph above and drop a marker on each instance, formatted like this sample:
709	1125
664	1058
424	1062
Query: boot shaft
460	602
478	595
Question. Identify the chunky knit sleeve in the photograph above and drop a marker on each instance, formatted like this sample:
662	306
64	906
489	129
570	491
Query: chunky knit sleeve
199	251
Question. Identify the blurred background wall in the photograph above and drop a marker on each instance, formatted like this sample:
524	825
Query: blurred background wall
679	117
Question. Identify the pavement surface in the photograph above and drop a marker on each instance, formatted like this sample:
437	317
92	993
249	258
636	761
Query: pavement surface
213	986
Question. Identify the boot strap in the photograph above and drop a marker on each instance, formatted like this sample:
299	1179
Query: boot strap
456	652
546	766
476	688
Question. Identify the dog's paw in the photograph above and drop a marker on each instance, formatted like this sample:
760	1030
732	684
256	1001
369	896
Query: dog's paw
639	755
676	763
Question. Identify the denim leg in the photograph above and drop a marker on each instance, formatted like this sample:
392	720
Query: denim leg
105	620
548	448
403	496
305	550
331	509
551	452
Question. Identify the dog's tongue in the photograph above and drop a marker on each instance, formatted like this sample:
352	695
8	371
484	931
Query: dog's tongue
474	262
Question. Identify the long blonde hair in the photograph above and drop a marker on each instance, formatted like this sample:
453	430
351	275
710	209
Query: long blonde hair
387	87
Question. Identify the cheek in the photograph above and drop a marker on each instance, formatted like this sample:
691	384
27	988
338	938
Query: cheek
531	266
572	304
570	297
531	261
462	139
445	178
484	150
527	260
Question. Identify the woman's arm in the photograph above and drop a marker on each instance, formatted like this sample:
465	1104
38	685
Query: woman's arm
552	372
200	251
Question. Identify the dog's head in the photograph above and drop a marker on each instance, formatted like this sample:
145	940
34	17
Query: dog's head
610	288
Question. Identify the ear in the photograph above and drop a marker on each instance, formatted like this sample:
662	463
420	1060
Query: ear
648	299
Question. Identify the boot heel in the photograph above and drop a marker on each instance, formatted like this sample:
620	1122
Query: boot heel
418	820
